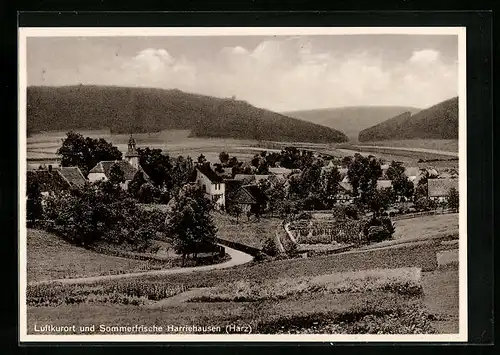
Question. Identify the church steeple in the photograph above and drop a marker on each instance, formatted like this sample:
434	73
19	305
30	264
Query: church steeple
132	156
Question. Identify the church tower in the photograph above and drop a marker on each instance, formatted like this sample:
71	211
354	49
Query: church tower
132	156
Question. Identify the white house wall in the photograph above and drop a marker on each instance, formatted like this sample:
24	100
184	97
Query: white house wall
93	177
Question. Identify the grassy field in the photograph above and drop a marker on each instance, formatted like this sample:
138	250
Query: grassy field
175	142
421	230
426	227
404	281
267	315
252	233
448	145
50	257
441	297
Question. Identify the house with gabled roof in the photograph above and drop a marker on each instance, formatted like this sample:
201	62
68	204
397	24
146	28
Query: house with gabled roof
52	180
130	166
249	198
438	189
211	183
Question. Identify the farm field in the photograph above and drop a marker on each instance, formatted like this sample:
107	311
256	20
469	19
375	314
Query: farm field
326	311
447	145
43	146
252	233
336	311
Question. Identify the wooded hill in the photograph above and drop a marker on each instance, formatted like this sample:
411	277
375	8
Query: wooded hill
351	120
140	110
437	122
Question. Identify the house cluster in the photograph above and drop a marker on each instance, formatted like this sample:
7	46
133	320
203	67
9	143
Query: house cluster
221	187
439	183
53	179
242	189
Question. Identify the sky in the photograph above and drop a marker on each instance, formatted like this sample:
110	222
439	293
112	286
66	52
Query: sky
280	73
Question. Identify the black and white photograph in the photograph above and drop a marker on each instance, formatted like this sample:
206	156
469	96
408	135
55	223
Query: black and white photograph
242	184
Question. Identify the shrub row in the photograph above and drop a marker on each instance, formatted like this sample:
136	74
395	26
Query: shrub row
399	281
131	292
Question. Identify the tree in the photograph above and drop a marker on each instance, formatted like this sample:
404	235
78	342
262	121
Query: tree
202	159
182	171
275	193
224	158
189	221
453	199
34	208
116	175
401	185
135	184
85	153
379	200
218	168
148	193
329	186
235	210
363	173
233	161
157	165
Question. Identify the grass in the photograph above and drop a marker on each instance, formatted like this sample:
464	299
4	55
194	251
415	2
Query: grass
449	145
50	257
426	227
403	281
369	311
263	317
252	233
422	229
441	297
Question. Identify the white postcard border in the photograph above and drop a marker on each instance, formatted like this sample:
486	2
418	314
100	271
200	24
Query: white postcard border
25	32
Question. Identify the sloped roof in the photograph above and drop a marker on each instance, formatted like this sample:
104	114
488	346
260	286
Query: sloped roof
280	171
441	187
256	192
206	170
73	175
261	177
232	185
105	167
242	196
246	178
345	186
48	180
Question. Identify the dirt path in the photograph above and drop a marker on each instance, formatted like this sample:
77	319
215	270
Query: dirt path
178	299
237	258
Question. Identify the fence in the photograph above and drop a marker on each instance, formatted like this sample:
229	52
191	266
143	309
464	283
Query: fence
420	214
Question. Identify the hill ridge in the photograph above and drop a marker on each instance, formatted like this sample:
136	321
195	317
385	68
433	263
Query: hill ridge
439	121
140	110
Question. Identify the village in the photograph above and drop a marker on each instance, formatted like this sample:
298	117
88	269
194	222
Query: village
236	185
239	187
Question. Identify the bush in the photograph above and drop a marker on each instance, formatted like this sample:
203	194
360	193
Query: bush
270	247
377	234
100	212
385	229
351	212
304	215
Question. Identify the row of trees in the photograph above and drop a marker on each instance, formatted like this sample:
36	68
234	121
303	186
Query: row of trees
103	212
